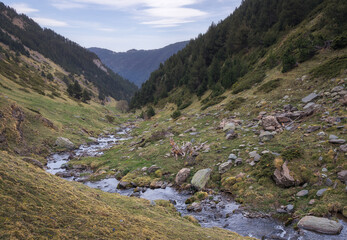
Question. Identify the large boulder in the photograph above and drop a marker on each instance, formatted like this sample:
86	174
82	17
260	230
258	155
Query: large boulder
182	176
342	176
309	98
270	123
321	225
62	142
201	178
282	177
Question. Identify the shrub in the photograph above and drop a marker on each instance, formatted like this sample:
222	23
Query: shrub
176	114
150	112
235	104
288	61
109	118
269	86
292	152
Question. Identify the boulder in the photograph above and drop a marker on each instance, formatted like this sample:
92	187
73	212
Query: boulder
156	184
309	98
256	157
62	142
123	185
229	126
302	193
283	119
182	176
64	174
343	148
321	192
320	225
266	136
224	167
232	156
201	178
282	177
196	207
337	141
152	169
238	161
342	176
33	162
311	129
270	123
231	134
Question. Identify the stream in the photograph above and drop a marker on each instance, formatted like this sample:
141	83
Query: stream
226	214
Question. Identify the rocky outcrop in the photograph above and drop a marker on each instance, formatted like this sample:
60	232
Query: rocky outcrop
270	123
201	178
62	142
321	225
282	177
182	176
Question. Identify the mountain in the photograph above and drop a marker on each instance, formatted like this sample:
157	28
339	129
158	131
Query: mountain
230	55
137	65
22	33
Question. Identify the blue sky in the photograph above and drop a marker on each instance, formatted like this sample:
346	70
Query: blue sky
120	25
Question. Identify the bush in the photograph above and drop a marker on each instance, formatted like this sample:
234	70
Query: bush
288	61
269	86
150	112
292	152
235	104
176	114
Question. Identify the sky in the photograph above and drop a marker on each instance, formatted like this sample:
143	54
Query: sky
121	25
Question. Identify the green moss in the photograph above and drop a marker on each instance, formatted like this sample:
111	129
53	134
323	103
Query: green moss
269	86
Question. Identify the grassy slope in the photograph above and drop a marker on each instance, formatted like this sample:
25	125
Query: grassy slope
37	205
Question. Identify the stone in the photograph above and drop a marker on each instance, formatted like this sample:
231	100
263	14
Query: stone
182	176
342	176
270	123
201	178
35	162
153	168
123	185
309	98
337	141
156	184
337	89
256	157
321	192
152	203
343	148
290	208
196	207
283	119
331	136
229	126
321	134
309	105
266	136
238	161
224	167
328	182
144	169
231	134
232	156
312	201
64	174
252	164
324	170
62	142
311	129
320	225
302	193
282	177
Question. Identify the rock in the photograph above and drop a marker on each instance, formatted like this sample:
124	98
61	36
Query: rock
256	157
309	98
321	134
283	119
331	136
123	185
152	203
35	162
224	167
144	169
64	174
324	170
201	178
62	142
156	184
229	126
328	182
153	168
337	141
252	164
321	192
182	176
311	129
337	89
290	208
302	193
321	225
231	134
343	148
196	207
342	176
232	156
309	105
238	161
311	202
282	177
266	136
270	123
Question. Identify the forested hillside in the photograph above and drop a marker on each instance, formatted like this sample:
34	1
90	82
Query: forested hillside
137	65
231	53
20	32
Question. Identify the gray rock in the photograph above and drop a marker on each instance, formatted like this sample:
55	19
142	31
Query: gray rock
337	141
201	178
309	98
153	168
331	136
343	148
252	163
232	156
320	225
328	182
311	129
321	134
302	193
238	161
62	142
266	136
312	201
64	174
342	176
324	170
224	167
196	207
290	208
35	162
337	89
309	105
123	185
321	192
182	176
229	126
270	123
152	203
282	177
256	157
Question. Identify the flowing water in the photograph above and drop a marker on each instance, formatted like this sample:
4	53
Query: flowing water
225	214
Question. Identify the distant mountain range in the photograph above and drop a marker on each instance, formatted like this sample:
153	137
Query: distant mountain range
137	65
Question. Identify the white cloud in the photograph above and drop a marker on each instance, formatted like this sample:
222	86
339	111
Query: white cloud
63	5
48	22
106	29
23	8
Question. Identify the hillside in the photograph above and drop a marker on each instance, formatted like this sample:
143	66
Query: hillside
137	65
20	32
236	53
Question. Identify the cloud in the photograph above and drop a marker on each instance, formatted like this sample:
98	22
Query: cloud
106	29
48	22
23	8
63	5
159	13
